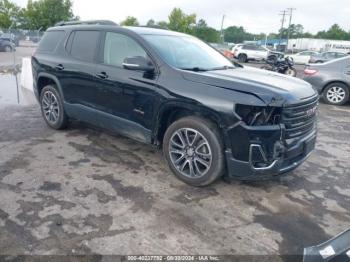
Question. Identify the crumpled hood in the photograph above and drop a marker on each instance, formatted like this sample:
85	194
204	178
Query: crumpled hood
268	86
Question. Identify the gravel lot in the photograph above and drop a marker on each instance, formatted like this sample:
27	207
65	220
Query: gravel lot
84	191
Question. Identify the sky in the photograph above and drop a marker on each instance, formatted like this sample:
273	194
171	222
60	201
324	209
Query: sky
255	16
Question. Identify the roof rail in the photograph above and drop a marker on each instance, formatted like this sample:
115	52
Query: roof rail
90	22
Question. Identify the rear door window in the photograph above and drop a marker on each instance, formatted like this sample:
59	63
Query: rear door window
84	45
50	41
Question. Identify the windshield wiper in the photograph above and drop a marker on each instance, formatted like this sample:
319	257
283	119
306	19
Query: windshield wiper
222	68
195	69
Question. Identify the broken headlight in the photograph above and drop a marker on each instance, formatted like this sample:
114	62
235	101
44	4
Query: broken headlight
258	115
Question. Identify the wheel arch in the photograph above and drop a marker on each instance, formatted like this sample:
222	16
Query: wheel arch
45	79
172	111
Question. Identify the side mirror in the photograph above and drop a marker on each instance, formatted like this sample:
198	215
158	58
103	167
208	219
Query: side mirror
139	63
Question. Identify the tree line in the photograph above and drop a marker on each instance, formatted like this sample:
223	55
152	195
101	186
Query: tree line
42	14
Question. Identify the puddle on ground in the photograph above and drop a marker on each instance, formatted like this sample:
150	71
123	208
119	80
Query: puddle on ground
11	95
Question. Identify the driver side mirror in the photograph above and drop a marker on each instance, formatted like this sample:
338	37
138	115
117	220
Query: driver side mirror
139	63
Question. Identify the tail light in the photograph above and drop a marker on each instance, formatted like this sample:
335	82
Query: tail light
310	72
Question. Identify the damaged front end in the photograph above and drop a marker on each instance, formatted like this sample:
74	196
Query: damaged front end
270	140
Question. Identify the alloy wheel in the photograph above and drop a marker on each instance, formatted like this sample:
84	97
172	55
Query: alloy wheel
336	94
190	153
50	107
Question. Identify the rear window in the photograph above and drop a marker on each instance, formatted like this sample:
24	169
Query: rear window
50	41
84	45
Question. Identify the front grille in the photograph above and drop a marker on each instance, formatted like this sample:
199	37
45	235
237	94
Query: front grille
299	119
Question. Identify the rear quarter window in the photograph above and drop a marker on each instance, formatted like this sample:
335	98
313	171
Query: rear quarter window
50	41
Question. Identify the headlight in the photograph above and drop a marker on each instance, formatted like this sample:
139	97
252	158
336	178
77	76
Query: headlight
258	115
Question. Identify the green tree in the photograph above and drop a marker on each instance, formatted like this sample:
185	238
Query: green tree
235	34
162	24
151	23
46	13
295	30
334	32
307	35
206	33
181	22
9	14
130	21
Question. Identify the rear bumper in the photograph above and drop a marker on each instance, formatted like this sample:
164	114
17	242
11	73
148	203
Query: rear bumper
274	158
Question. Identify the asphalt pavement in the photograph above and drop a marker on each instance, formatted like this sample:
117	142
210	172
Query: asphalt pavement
87	191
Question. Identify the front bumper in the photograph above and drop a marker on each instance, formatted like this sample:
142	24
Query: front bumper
268	154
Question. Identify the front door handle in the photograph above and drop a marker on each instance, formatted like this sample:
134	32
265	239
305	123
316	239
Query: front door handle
102	75
60	67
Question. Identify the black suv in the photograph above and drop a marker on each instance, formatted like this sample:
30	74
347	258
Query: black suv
210	116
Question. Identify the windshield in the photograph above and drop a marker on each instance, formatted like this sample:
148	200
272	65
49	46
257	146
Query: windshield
189	53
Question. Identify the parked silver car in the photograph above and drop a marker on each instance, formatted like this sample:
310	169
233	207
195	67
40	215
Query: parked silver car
326	56
331	79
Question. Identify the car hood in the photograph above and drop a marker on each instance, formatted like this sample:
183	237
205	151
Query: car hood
269	86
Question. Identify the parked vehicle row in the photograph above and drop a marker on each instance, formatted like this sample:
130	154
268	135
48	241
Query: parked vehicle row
210	116
248	52
325	56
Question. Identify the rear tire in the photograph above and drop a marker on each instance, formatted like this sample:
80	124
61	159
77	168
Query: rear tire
194	141
291	72
52	108
336	94
243	58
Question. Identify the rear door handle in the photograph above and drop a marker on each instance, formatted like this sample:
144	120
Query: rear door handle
102	75
60	67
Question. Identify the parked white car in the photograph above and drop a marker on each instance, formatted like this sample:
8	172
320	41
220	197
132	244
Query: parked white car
246	52
302	57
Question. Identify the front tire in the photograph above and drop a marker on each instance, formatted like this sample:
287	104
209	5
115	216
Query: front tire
242	58
336	94
52	108
193	149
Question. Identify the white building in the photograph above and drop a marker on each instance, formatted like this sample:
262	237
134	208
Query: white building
319	45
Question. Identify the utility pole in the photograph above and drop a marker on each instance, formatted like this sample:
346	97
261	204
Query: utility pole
222	29
291	9
283	14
